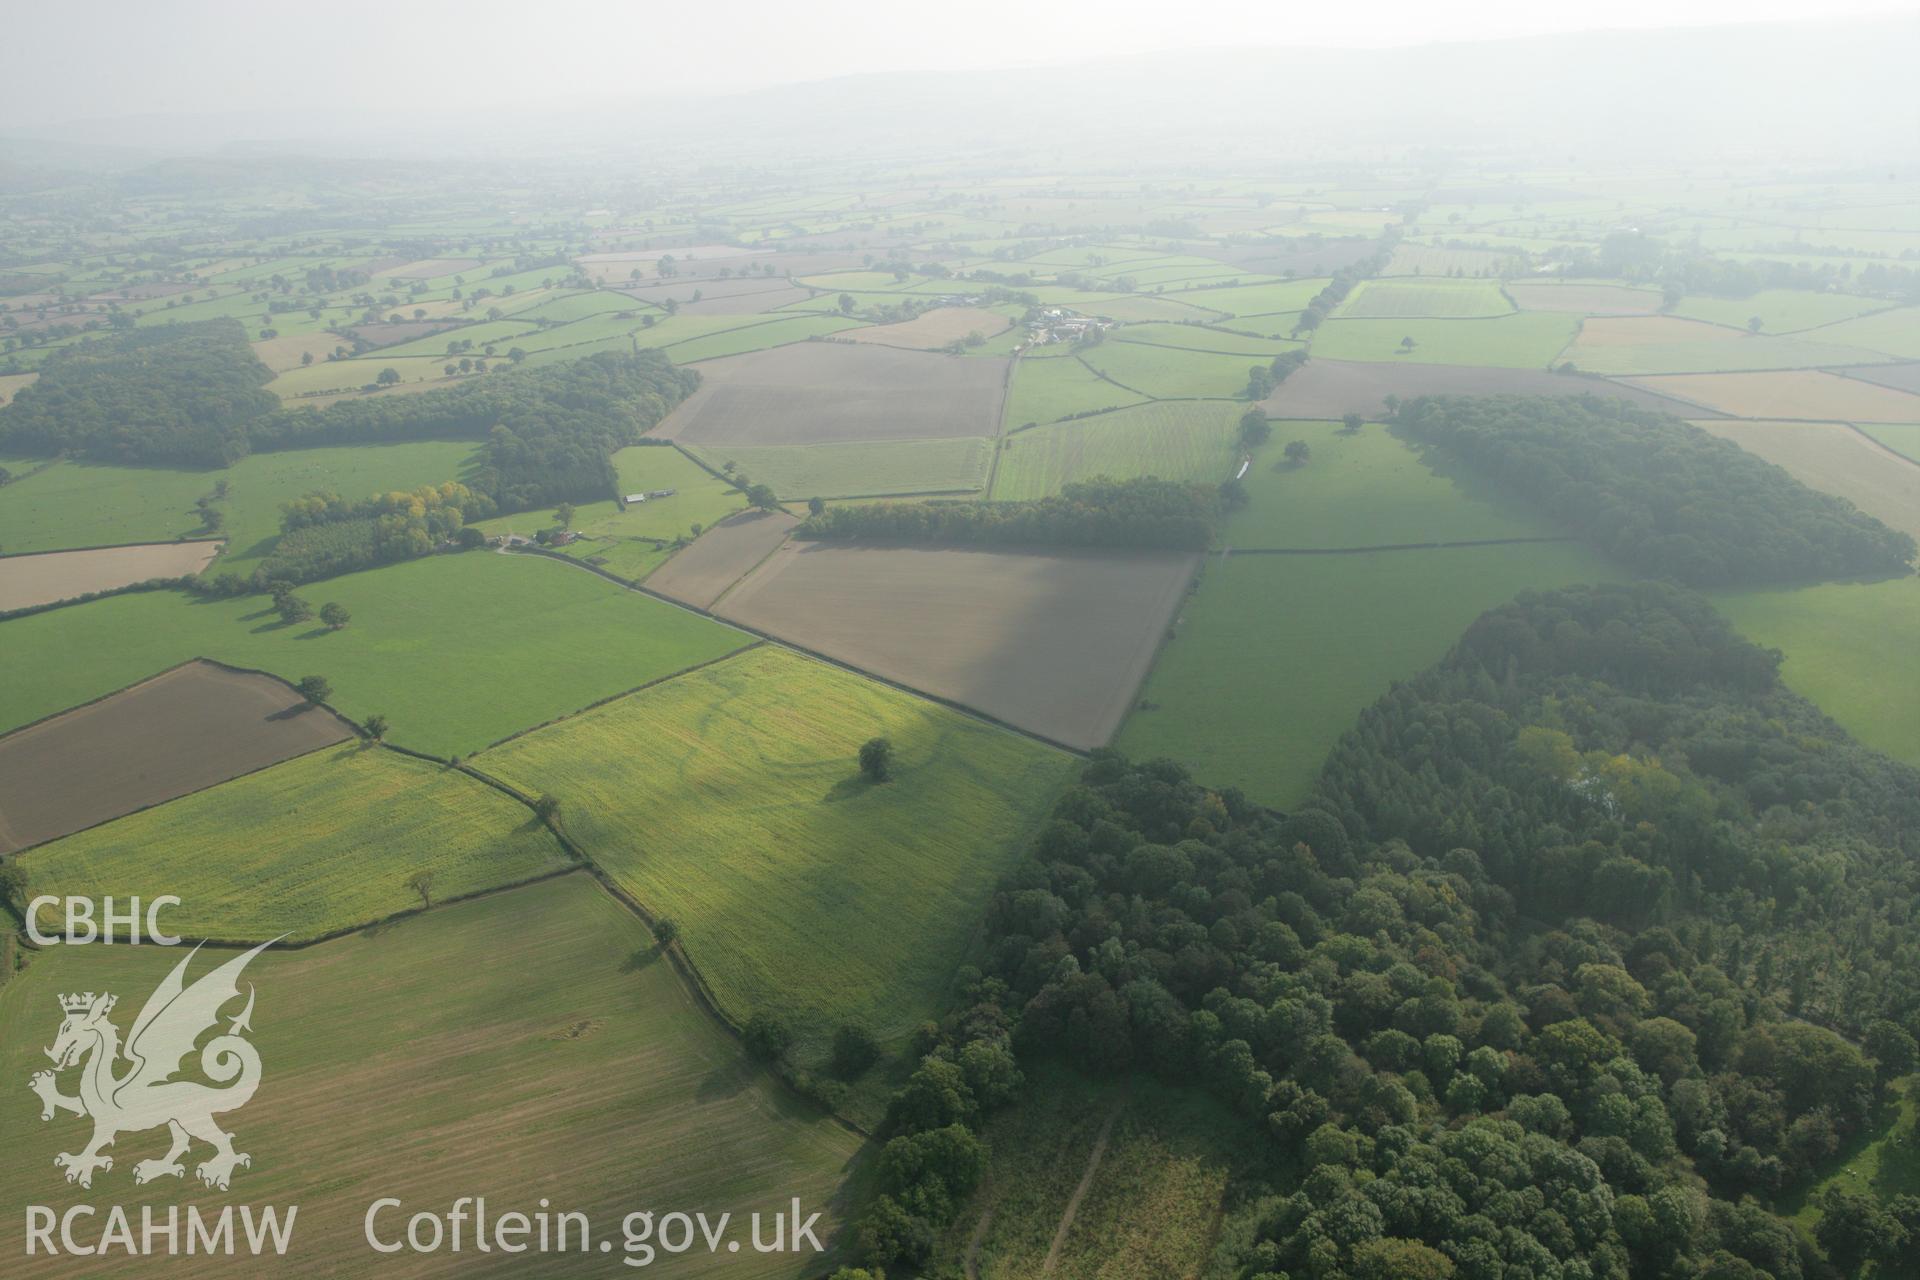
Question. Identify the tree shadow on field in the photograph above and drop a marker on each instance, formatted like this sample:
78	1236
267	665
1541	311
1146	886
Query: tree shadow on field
847	788
729	1080
644	958
314	633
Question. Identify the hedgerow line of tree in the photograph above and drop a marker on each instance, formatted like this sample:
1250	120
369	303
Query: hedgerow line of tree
1658	494
1139	513
1543	982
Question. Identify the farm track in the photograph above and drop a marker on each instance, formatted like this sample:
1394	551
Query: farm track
1080	1192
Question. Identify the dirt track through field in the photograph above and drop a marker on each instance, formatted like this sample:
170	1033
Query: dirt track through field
1080	1192
181	731
1055	643
50	576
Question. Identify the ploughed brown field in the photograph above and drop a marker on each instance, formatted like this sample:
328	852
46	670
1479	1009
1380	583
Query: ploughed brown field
827	392
932	329
1583	299
1839	460
1806	394
61	575
1055	643
181	731
1323	389
719	557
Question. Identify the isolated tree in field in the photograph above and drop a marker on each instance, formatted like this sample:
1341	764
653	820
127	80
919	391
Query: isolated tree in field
388	376
876	759
377	728
846	304
767	1036
665	932
667	266
293	609
763	497
1351	422
516	354
1755	324
816	506
1298	451
306	358
421	882
854	1050
334	615
1255	430
450	369
547	807
1407	343
563	515
314	689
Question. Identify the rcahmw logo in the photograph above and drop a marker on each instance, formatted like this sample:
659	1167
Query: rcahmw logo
132	1087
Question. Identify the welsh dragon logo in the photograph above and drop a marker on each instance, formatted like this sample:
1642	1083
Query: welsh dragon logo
145	1095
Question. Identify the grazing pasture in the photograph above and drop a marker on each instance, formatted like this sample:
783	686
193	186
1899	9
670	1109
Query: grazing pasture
731	800
1902	438
82	504
185	729
745	338
320	843
1052	642
936	328
1524	340
1779	310
1809	395
1198	337
43	577
1274	656
1849	647
1837	459
876	468
1399	299
1367	488
1333	388
1170	373
1175	440
1583	297
719	557
826	392
546	1002
1049	388
1895	332
1254	299
456	651
1669	344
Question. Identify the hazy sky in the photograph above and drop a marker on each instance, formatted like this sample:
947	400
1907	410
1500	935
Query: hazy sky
88	59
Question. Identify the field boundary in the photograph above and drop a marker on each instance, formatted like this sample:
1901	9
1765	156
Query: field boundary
1079	753
106	546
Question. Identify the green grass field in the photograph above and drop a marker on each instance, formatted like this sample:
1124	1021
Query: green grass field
1276	656
1400	299
1173	439
1047	389
1902	438
1849	648
320	843
1200	337
859	469
758	337
1895	332
1365	489
84	504
457	651
1165	373
1525	340
1254	299
731	800
1780	310
472	1051
1718	351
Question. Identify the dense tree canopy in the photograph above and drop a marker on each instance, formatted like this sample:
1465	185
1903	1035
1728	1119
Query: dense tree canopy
1556	975
1659	494
181	394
